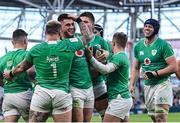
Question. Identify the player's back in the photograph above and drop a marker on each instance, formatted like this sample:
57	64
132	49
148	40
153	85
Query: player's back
8	62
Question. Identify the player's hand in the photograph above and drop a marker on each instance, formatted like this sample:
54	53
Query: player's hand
89	52
149	75
103	56
7	76
131	88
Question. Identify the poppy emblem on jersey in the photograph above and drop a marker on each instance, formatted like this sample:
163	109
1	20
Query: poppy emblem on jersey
147	61
79	53
154	52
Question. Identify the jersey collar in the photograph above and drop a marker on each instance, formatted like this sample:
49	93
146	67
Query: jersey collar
52	42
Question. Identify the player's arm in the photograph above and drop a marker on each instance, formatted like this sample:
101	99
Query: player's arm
32	74
21	67
102	68
86	33
134	74
171	67
178	70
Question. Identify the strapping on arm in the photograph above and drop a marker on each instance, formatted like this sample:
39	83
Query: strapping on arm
103	69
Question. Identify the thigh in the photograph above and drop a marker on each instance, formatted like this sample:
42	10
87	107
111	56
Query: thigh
158	97
119	107
78	97
35	116
89	101
99	89
111	118
164	94
101	104
12	118
62	102
63	117
20	106
87	113
82	98
41	100
77	114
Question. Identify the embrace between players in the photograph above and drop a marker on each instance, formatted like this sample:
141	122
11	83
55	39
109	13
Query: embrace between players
72	78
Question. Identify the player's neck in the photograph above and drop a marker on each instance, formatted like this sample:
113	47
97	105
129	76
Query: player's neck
150	39
19	46
117	50
54	37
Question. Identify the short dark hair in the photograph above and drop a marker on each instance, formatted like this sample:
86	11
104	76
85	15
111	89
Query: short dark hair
62	17
53	27
17	34
120	38
99	28
89	15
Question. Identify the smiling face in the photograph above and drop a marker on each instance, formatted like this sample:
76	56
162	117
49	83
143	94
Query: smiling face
68	28
148	30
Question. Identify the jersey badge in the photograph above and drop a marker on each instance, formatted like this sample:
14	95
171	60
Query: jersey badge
73	39
79	53
9	63
141	53
154	52
147	61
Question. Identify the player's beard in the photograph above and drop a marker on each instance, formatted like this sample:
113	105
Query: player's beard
69	34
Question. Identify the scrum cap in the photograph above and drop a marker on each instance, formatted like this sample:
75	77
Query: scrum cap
154	23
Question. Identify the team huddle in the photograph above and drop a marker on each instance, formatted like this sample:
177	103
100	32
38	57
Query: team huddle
74	73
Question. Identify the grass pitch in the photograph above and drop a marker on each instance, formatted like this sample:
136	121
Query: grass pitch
172	117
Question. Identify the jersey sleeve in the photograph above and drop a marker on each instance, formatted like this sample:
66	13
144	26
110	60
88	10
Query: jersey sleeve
117	60
168	51
135	52
29	55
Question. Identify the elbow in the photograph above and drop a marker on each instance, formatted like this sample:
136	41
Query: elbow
174	69
178	75
104	72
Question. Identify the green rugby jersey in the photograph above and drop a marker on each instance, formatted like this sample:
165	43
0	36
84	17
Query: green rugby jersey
153	57
117	81
52	61
79	74
19	83
101	43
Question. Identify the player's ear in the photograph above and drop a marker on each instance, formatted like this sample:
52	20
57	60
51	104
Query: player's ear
113	43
